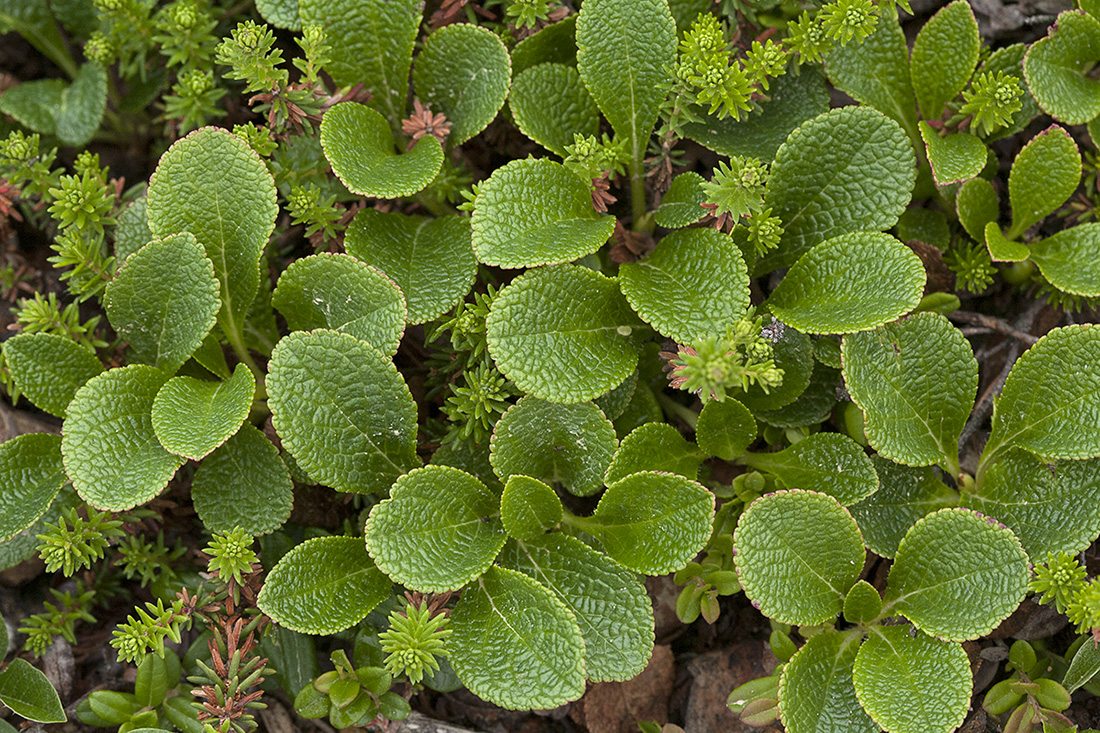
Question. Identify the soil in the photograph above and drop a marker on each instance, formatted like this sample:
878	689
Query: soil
694	667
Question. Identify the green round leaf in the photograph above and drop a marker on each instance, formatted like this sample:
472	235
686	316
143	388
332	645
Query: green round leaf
830	463
439	529
550	104
798	554
111	452
463	72
693	285
652	522
563	333
192	418
624	52
957	574
725	429
944	56
1050	404
25	544
1056	68
431	260
372	44
536	212
164	301
528	507
244	483
816	694
1070	259
213	185
132	232
853	282
31	474
863	604
49	368
607	600
848	170
915	381
280	13
955	157
570	445
614	402
82	105
471	457
324	585
680	206
814	405
340	293
515	644
34	104
654	447
925	225
28	693
912	684
977	206
359	145
1051	507
904	495
1083	667
791	100
556	44
342	410
1043	176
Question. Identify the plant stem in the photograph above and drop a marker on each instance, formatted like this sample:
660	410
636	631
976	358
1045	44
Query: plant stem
637	191
685	413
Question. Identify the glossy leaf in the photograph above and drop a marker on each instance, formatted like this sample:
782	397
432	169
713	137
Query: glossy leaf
31	474
212	184
431	260
528	507
829	463
244	483
610	605
1056	68
848	170
791	100
1001	248
372	43
563	333
655	447
192	418
28	693
853	282
977	206
1051	507
324	585
164	300
876	73
816	694
515	644
693	285
955	157
625	49
916	381
1044	174
680	204
725	429
550	104
49	368
343	411
798	554
1070	259
652	522
536	212
1083	667
957	575
904	495
359	145
110	449
439	529
340	293
1050	403
863	604
912	684
944	56
570	445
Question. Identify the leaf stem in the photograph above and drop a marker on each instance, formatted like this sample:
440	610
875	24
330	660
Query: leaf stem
637	192
685	413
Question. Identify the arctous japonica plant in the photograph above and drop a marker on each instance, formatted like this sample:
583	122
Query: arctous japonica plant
542	355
